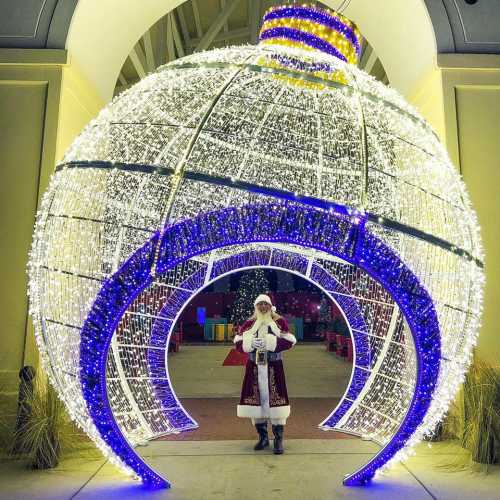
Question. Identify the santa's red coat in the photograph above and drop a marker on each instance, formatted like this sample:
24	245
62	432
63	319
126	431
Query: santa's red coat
276	404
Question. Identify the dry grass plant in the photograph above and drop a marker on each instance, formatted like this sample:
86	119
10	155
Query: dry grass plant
48	433
474	419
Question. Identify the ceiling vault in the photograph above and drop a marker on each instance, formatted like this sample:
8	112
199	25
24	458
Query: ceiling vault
197	25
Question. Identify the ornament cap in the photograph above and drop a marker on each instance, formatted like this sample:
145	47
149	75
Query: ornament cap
311	27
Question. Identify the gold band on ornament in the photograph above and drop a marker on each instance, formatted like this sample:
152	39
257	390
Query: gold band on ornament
325	33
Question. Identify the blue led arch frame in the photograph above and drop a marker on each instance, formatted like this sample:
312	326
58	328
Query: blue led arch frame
333	233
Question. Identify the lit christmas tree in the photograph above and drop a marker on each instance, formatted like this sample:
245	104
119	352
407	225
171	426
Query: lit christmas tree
325	310
325	314
252	283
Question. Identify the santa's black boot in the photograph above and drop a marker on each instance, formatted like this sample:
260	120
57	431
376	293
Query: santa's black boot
278	439
263	437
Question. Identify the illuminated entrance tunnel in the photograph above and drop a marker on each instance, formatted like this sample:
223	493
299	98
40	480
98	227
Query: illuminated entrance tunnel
255	156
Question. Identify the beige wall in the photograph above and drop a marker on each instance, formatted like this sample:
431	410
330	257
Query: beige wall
29	101
44	104
22	106
478	112
461	99
427	97
471	96
79	103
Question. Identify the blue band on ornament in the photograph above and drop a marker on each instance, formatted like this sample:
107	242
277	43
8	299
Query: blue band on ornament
303	37
316	16
286	223
390	224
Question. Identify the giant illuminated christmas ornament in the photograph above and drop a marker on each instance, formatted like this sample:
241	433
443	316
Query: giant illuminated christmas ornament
281	155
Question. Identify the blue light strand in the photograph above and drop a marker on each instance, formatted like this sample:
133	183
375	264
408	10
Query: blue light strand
303	37
317	16
418	309
299	65
113	299
286	223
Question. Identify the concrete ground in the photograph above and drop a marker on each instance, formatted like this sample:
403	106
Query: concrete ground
230	469
209	470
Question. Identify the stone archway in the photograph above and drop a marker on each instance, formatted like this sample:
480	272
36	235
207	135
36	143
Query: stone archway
100	54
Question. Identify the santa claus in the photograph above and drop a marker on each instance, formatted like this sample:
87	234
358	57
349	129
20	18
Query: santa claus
263	395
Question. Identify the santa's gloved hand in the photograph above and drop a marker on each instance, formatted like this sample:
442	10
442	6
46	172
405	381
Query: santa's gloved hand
275	328
258	343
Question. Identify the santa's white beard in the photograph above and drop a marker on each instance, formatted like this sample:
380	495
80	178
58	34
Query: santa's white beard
264	318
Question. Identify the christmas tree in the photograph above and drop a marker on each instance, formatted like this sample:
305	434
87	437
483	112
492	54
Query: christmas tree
252	283
325	315
325	310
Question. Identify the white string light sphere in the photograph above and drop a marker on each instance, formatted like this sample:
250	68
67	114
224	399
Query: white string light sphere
281	155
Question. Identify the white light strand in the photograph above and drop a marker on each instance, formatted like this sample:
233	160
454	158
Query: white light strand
272	130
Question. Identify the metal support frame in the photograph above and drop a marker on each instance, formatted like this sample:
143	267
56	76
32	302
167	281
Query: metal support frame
137	57
148	46
216	26
197	19
254	8
177	38
221	37
170	39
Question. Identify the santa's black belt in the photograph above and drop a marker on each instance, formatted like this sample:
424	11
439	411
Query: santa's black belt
271	356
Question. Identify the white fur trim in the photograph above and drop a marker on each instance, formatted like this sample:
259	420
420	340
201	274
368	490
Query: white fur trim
247	411
247	341
238	338
262	331
254	328
274	327
263	298
280	411
288	336
271	342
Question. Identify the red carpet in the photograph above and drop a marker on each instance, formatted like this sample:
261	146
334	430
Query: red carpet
235	358
218	421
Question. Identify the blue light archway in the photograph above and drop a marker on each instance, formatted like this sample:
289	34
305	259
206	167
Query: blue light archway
291	223
175	304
